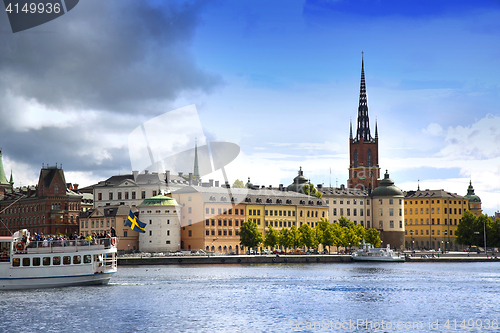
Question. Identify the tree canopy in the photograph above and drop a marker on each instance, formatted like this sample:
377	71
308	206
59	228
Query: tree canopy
238	184
250	235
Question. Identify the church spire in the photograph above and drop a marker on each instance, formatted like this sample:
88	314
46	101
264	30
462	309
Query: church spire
196	171
350	130
363	130
376	130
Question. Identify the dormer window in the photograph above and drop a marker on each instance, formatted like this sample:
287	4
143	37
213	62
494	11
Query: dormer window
56	189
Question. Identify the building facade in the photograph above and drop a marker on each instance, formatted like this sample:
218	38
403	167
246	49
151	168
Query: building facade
431	219
474	201
163	230
47	208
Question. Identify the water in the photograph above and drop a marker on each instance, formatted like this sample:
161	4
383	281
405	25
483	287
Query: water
268	298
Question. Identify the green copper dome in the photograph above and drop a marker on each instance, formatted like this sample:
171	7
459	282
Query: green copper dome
387	188
159	200
471	195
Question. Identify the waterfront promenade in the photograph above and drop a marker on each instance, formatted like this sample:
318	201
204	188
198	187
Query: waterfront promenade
291	259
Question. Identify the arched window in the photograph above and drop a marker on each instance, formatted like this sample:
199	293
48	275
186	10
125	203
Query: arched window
369	158
355	158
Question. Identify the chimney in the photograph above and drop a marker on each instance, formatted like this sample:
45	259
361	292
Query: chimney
146	172
319	186
226	185
190	179
180	174
75	186
167	176
135	173
216	183
281	187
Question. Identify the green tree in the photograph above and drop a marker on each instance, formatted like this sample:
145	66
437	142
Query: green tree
307	236
345	222
272	237
238	184
285	239
294	237
309	189
250	235
373	237
466	228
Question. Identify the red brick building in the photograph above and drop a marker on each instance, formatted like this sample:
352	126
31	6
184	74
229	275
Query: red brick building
48	208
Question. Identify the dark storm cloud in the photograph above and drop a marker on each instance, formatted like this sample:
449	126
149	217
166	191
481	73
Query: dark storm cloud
114	55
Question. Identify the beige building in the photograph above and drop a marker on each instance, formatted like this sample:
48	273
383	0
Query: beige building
100	220
352	203
163	230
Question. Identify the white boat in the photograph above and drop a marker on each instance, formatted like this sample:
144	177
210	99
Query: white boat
369	253
57	263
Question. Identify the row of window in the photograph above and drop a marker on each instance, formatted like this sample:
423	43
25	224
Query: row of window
391	224
224	223
427	232
220	232
55	261
223	211
348	201
354	212
432	221
437	201
391	212
126	195
34	208
451	211
95	224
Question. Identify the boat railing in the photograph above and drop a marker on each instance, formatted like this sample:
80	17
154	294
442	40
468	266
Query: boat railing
61	245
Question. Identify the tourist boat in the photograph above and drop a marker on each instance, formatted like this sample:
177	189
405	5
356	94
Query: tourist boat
56	263
369	253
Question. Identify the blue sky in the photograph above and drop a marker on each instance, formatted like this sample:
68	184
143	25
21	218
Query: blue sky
279	78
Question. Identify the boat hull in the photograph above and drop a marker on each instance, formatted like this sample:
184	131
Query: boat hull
54	281
379	259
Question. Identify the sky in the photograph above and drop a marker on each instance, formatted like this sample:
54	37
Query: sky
278	78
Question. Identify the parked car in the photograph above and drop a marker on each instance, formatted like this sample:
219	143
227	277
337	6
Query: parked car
266	251
251	252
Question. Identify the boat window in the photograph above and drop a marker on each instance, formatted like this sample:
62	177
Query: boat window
26	261
56	260
36	261
16	262
87	259
77	260
66	260
46	261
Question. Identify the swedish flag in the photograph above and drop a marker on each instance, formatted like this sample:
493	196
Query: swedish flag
134	223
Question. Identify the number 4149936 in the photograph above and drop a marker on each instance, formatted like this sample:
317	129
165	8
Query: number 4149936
33	8
471	323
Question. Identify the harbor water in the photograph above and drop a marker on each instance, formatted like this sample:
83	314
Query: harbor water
349	297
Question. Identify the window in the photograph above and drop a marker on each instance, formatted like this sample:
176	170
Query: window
110	195
99	196
46	261
381	212
119	195
391	224
391	202
150	232
26	261
189	210
36	261
190	233
87	259
380	225
66	260
391	211
335	212
143	194
77	260
126	195
133	195
56	260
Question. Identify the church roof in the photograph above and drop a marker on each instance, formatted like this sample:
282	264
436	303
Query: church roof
471	195
363	128
387	188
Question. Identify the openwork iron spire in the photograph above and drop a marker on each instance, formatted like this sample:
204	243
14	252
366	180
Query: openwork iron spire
196	170
363	131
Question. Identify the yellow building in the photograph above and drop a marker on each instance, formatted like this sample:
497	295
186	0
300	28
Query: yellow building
431	219
211	217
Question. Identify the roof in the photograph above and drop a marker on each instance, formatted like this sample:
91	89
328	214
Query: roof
432	194
109	211
387	188
343	191
471	195
247	196
159	200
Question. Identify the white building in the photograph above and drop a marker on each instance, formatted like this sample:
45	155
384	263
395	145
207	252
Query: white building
163	229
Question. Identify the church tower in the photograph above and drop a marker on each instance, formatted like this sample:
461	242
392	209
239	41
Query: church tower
364	171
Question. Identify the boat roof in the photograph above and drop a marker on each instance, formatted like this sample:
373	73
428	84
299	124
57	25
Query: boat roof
6	238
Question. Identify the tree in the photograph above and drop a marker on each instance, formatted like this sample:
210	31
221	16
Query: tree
294	237
466	228
272	237
307	236
345	222
373	237
285	239
250	235
238	184
309	189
